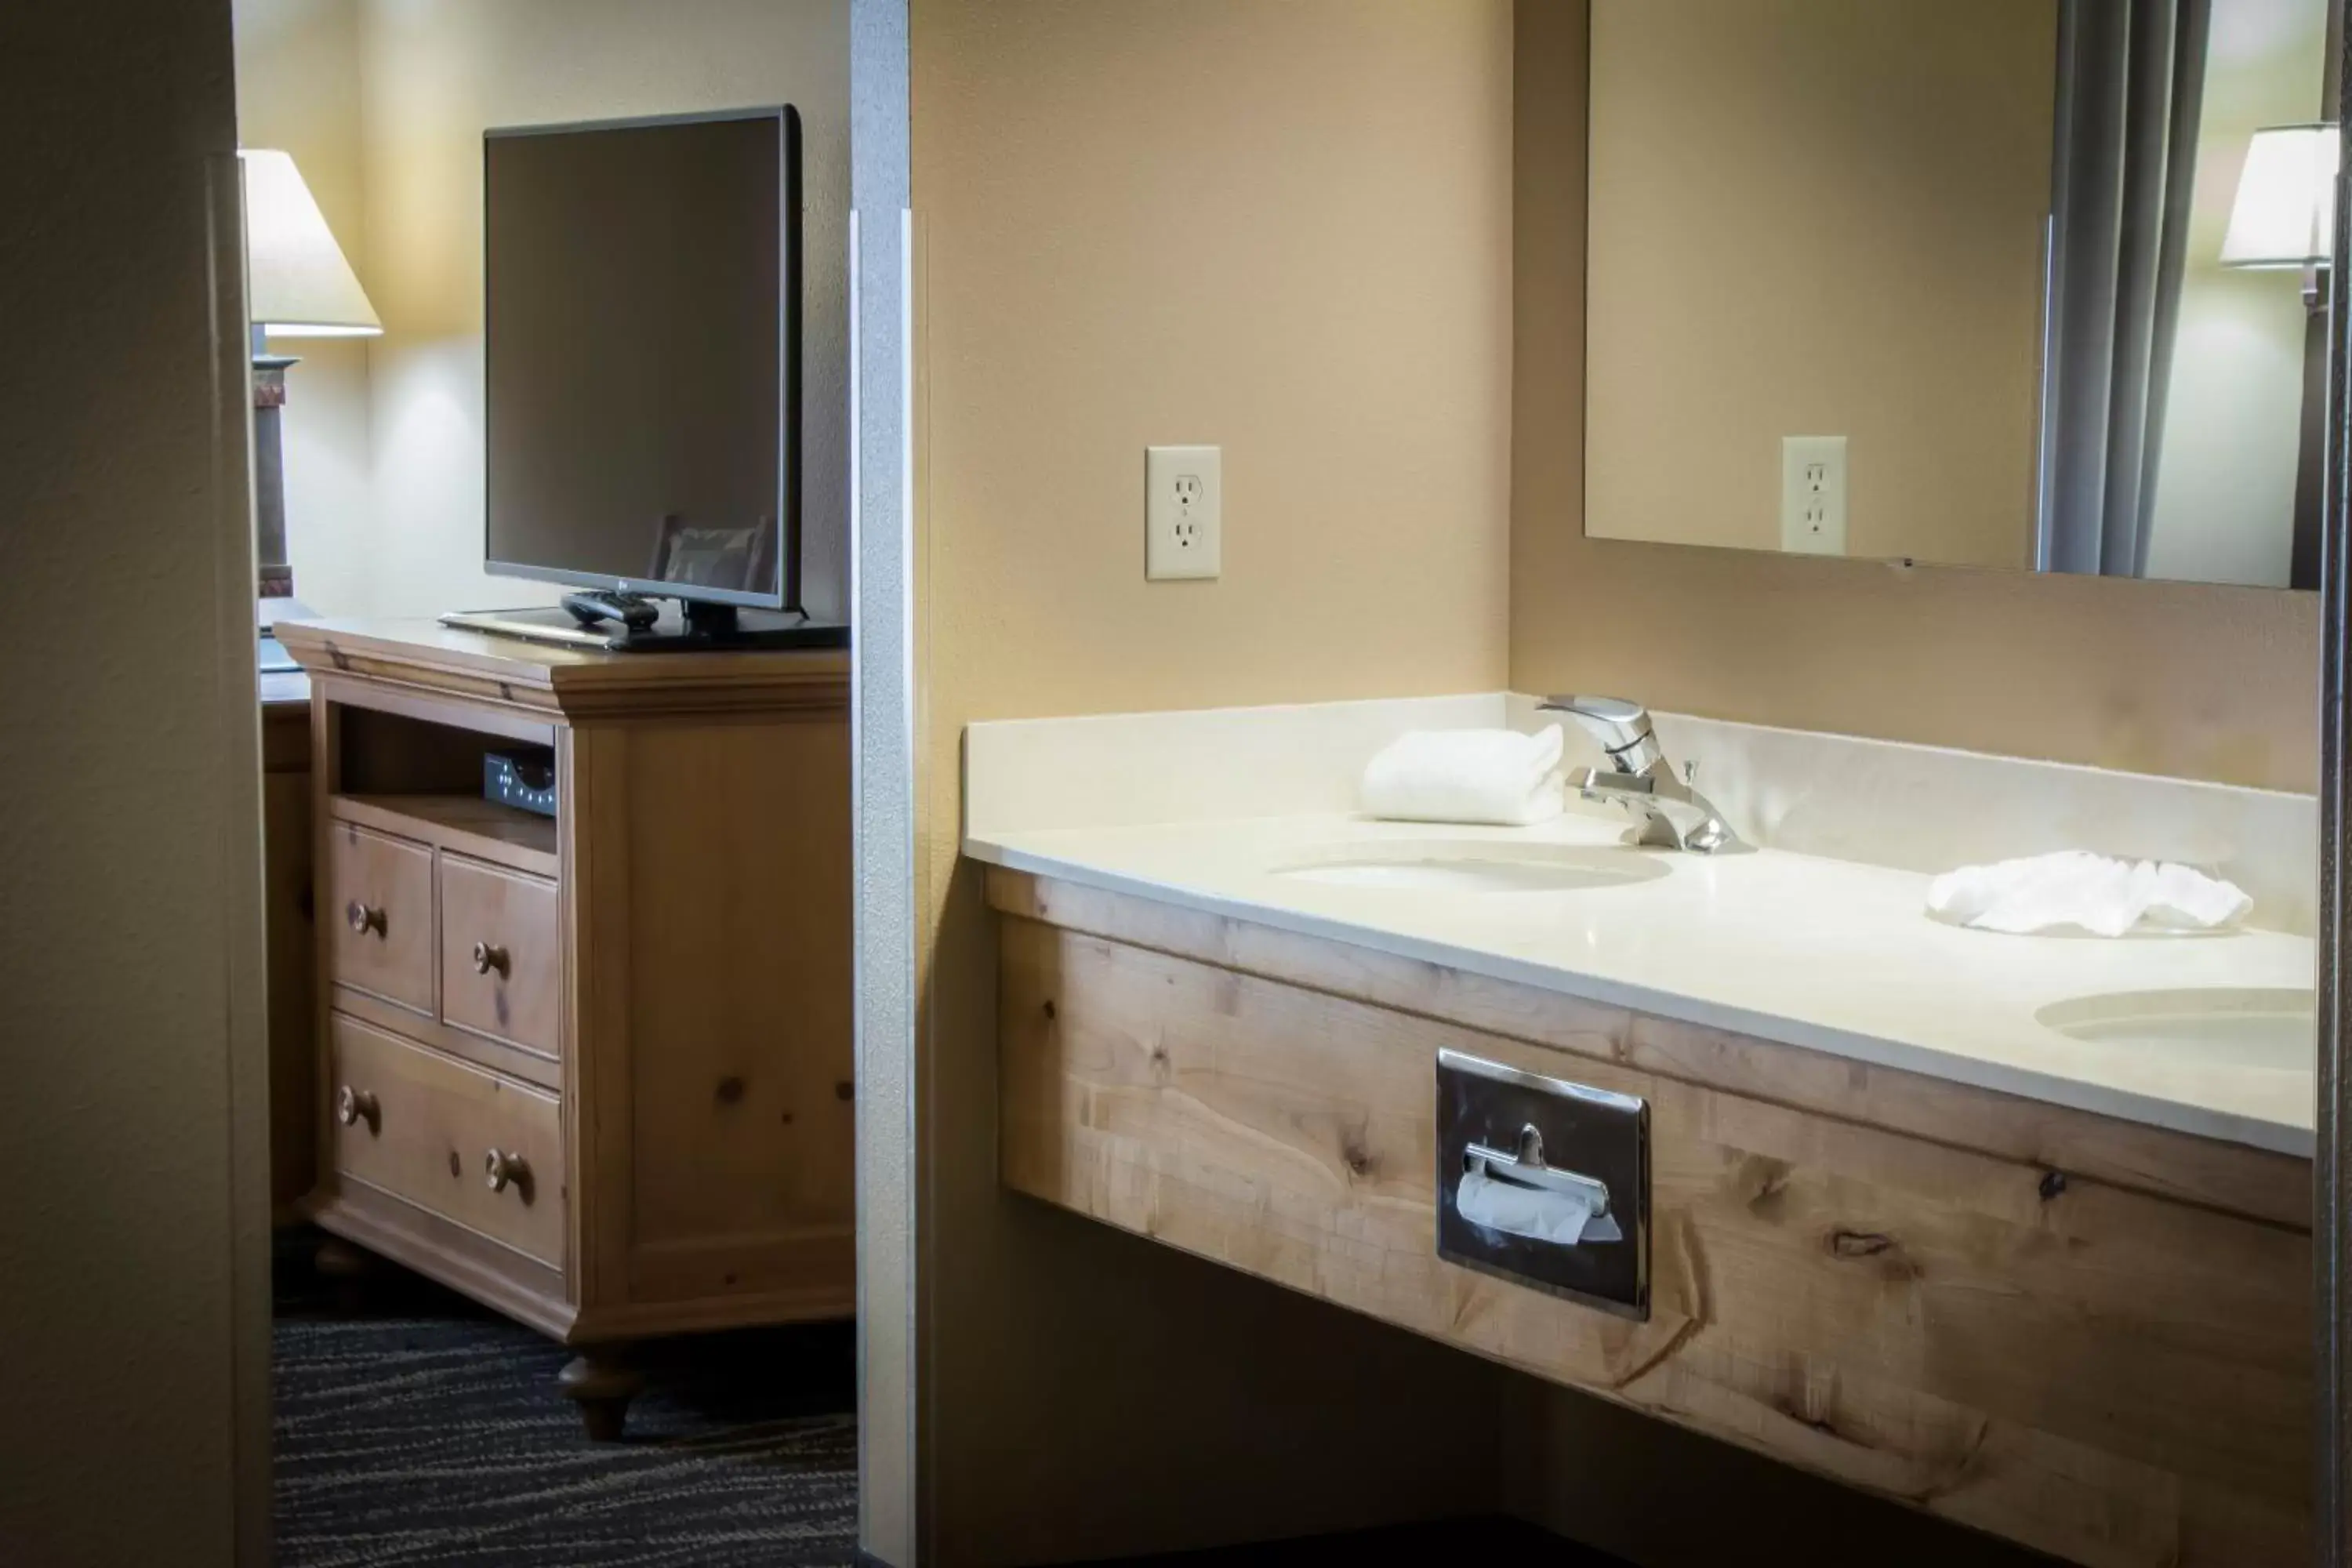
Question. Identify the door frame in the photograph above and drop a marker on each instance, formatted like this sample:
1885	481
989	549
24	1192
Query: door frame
2331	1158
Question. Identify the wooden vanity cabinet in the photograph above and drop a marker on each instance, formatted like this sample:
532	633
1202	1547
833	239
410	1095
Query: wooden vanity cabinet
2086	1335
593	1069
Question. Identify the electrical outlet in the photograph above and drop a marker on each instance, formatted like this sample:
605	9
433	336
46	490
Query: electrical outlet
1813	495
1184	511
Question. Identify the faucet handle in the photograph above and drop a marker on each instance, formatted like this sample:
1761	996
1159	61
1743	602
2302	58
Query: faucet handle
1622	728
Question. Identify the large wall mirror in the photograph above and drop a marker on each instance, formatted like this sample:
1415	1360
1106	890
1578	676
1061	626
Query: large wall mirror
2036	284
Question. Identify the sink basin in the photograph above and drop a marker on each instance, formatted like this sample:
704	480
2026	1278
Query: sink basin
1473	865
2254	1028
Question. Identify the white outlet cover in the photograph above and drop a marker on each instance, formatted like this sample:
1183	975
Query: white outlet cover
1813	495
1184	511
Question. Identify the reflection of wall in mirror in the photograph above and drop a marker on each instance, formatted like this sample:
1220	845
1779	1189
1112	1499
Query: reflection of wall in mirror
2233	416
1819	217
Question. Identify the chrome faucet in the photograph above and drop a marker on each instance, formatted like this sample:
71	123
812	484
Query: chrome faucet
1673	814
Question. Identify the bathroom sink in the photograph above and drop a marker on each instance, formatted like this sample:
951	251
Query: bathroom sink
1473	865
2255	1027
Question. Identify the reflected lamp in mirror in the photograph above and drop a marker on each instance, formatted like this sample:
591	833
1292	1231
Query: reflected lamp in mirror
2284	214
298	284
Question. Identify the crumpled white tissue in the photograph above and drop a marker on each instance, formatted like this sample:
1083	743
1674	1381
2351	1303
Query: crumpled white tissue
1538	1214
2096	893
1498	777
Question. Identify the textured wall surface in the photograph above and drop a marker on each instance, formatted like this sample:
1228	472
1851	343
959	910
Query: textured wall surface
1283	230
133	1205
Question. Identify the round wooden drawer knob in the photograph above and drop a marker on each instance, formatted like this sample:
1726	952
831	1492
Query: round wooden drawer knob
353	1106
487	958
504	1170
364	918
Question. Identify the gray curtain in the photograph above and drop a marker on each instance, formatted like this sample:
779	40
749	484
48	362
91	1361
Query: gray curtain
2131	77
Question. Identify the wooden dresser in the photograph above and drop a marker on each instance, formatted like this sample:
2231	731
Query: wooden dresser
593	1069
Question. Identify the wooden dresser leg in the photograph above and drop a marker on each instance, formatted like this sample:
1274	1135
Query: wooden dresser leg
347	1268
602	1386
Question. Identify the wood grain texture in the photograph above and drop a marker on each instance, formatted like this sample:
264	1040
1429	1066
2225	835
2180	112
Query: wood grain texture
465	824
492	1273
2105	1375
547	681
378	924
714	1000
2251	1182
599	1120
674	1009
542	1068
516	921
434	1121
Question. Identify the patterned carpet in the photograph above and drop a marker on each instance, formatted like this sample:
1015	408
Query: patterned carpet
413	1428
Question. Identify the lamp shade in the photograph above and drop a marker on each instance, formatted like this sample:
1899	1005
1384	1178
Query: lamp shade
300	285
2285	212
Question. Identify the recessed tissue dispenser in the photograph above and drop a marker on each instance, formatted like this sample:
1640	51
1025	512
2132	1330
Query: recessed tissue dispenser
1544	1183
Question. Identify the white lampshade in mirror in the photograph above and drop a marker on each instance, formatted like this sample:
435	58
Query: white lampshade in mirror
300	285
2284	215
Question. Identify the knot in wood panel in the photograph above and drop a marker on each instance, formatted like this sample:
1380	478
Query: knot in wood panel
1859	1243
1886	1253
1765	1182
730	1090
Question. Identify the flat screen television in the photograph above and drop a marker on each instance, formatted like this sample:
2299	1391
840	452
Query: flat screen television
642	307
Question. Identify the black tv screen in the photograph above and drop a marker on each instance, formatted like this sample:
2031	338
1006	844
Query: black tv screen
642	303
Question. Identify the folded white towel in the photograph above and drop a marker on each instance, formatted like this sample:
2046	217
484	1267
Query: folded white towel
1539	1214
2096	893
1497	776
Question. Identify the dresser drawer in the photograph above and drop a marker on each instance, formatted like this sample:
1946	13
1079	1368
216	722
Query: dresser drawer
379	915
501	954
480	1150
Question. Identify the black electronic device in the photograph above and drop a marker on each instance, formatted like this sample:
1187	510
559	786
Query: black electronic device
642	372
634	611
523	778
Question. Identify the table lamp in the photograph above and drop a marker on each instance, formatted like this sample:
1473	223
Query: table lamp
2284	215
298	285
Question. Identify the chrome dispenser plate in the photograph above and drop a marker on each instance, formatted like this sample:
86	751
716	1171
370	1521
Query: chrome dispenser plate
1540	1135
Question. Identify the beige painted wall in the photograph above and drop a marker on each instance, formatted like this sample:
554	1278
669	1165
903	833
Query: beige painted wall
382	103
133	1159
1284	230
1818	217
2201	683
298	89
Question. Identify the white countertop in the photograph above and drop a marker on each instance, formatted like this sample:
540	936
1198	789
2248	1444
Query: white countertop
1832	955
